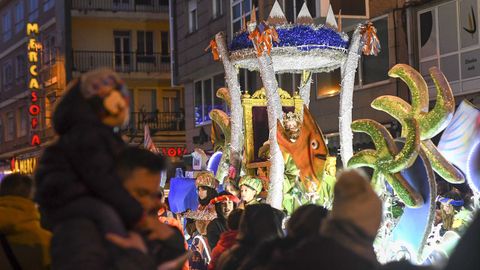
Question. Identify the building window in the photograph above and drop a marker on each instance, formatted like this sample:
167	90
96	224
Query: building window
147	100
205	98
131	100
145	42
2	131
249	80
144	2
241	8
374	69
145	47
291	8
22	120
48	52
21	67
289	82
326	84
165	49
33	10
121	4
448	38
10	126
350	9
48	4
192	16
7	25
217	8
219	82
122	51
7	75
19	17
171	100
49	108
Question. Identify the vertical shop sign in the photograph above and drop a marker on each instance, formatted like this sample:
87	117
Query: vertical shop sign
33	84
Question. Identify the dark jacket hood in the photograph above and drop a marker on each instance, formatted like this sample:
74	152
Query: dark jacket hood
73	109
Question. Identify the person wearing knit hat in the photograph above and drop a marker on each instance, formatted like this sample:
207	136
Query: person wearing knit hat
205	213
250	188
206	184
356	214
206	179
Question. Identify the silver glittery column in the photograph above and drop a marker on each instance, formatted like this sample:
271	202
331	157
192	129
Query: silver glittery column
236	115
274	109
346	97
305	87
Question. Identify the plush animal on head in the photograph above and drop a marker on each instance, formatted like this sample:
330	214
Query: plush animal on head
108	95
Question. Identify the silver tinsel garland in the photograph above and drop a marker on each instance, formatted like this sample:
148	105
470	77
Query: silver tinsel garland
274	109
236	114
348	69
292	59
305	87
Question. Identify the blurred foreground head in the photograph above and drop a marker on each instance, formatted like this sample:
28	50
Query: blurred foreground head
259	223
16	184
355	201
306	220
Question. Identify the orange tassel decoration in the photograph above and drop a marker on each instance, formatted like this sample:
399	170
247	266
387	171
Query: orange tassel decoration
371	44
256	38
264	41
213	47
268	37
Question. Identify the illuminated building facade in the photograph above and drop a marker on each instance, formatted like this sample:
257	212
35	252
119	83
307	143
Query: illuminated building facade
46	43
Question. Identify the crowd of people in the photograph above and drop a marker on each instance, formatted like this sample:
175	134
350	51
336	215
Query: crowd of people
237	237
95	203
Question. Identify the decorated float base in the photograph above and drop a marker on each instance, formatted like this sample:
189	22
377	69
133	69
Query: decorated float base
402	172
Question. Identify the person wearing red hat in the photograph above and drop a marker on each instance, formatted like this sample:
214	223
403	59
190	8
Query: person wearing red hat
225	203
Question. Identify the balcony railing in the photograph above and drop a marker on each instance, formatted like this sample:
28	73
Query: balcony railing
84	61
157	121
122	5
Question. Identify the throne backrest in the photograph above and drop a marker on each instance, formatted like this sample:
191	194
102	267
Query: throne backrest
256	119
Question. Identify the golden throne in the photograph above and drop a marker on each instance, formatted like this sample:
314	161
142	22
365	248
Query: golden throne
256	123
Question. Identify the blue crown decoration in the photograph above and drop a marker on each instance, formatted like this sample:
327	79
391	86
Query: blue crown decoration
304	37
301	46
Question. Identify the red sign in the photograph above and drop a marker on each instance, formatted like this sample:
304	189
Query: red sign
174	151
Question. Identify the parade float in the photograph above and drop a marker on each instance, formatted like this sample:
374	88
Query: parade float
272	133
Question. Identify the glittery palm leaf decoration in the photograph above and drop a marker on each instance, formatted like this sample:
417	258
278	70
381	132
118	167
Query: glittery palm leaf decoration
222	120
386	160
430	122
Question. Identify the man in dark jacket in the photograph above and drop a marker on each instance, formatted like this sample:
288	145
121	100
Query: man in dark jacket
146	248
